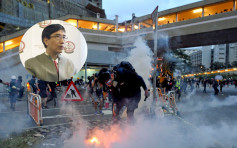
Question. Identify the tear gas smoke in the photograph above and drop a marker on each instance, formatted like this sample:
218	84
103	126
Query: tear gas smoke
170	131
206	103
141	57
2	107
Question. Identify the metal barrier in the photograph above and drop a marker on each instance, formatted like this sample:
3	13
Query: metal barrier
168	101
34	108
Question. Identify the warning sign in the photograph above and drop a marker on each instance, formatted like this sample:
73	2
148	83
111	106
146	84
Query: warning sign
72	93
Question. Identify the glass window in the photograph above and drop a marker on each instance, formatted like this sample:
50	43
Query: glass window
235	5
121	28
87	24
1	47
107	27
128	27
15	42
167	19
72	22
190	14
218	8
146	24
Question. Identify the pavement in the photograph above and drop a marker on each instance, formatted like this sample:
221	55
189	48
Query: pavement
62	113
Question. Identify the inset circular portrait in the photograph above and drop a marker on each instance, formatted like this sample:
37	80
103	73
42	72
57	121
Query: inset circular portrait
53	50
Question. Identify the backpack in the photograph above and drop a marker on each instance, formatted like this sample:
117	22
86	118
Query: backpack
126	74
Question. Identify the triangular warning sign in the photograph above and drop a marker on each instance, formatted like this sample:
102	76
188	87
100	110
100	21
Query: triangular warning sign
72	93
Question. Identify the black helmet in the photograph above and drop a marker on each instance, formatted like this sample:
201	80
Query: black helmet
97	75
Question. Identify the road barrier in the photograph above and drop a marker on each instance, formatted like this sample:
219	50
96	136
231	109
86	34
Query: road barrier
168	101
34	106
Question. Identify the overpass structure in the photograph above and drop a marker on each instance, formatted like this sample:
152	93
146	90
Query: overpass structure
202	23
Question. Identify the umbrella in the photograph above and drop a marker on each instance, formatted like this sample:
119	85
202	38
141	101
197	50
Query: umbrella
218	77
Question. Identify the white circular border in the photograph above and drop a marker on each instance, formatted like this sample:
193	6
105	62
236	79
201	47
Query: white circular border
34	45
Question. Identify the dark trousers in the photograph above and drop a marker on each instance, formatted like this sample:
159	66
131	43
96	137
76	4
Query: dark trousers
204	90
131	103
216	91
178	92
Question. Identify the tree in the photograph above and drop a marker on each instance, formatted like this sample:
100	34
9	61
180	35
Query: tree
201	68
217	65
234	64
180	53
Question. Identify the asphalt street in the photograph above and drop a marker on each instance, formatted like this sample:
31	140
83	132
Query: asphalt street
204	113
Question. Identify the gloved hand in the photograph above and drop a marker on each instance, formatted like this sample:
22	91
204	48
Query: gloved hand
14	87
147	93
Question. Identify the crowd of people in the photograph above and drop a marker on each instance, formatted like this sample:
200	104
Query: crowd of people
181	85
46	90
15	90
121	86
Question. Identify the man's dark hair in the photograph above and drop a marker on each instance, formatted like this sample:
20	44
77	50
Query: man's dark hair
50	30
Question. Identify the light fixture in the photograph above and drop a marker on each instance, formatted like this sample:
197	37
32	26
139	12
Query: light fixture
197	10
161	18
94	26
8	43
121	29
135	27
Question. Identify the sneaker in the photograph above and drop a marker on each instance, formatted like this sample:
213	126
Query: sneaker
101	113
95	113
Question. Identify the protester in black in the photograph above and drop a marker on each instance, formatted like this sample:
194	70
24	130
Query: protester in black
215	85
125	87
33	84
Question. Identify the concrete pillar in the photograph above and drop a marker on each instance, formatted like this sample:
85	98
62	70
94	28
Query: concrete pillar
176	17
203	12
3	46
20	10
77	23
234	2
98	26
126	28
116	22
49	9
85	71
97	15
133	17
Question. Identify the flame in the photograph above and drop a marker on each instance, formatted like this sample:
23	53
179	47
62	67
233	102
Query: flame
104	139
94	140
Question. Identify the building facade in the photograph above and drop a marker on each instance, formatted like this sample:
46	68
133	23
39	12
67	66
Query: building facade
16	15
196	58
232	52
223	53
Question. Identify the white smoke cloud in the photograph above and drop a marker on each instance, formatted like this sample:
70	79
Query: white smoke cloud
195	129
2	107
141	57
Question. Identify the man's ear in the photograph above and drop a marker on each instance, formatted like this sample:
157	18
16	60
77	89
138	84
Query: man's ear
46	41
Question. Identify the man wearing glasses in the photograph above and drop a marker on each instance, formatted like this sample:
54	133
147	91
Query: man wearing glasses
51	66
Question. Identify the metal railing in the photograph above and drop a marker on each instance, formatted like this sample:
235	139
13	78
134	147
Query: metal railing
35	108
